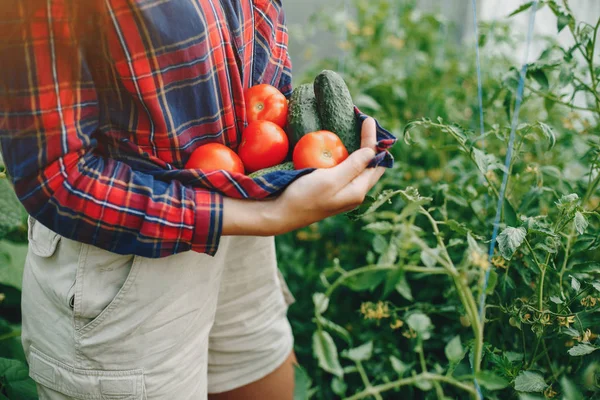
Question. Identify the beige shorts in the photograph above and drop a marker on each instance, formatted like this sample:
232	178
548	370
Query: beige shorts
98	325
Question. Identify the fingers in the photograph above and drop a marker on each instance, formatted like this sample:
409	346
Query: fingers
353	194
358	161
368	136
352	166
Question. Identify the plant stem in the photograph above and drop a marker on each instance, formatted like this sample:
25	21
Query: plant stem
411	381
385	267
564	266
464	293
10	335
559	101
365	379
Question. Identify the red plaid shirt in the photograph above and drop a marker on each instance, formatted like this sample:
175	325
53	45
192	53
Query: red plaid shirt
107	168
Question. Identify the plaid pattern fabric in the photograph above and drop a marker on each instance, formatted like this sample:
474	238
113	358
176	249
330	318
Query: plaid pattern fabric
105	167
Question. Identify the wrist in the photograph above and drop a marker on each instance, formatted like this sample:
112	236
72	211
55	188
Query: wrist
252	217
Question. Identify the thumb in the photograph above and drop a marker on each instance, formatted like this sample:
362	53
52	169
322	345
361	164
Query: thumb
353	166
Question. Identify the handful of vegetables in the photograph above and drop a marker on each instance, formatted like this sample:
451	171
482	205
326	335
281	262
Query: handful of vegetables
318	129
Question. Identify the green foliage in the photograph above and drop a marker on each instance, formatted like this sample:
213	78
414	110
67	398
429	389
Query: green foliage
402	277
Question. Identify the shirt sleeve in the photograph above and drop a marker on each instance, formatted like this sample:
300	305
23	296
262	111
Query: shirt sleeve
47	135
272	60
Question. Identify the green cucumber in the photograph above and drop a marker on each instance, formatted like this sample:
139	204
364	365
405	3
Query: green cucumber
286	166
303	116
336	108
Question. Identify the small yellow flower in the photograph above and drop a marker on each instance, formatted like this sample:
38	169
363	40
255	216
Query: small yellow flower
407	176
480	260
368	31
352	27
567	123
569	343
396	42
586	336
566	321
550	393
344	45
499	262
491	176
435	174
532	169
409	333
375	311
527	317
588	301
2	297
545	320
397	324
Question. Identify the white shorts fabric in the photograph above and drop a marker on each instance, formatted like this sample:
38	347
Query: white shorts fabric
99	325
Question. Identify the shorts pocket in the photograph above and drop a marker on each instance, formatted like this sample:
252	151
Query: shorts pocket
42	241
85	384
102	281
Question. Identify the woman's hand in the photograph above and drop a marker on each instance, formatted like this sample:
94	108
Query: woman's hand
311	198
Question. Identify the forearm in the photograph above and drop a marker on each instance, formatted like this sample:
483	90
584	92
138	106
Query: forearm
251	218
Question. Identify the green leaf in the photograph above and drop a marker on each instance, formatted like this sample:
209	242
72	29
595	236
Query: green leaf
326	352
519	10
421	324
492	282
403	288
562	20
302	383
321	302
491	381
581	223
568	203
570	391
371	204
509	241
540	77
11	209
338	386
548	133
528	381
360	353
454	350
14	376
12	261
399	366
365	281
335	328
428	256
582	349
509	213
380	227
575	284
367	102
596	285
556	300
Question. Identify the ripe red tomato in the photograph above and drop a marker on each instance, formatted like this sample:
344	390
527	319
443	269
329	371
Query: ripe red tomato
266	103
264	144
215	156
320	149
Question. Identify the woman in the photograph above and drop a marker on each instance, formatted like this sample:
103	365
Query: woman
144	280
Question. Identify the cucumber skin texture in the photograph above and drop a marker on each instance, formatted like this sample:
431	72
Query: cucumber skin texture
286	166
303	116
336	108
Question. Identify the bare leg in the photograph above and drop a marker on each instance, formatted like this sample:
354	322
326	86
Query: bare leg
278	385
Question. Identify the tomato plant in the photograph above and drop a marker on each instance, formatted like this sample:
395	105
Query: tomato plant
215	156
264	144
320	149
266	103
